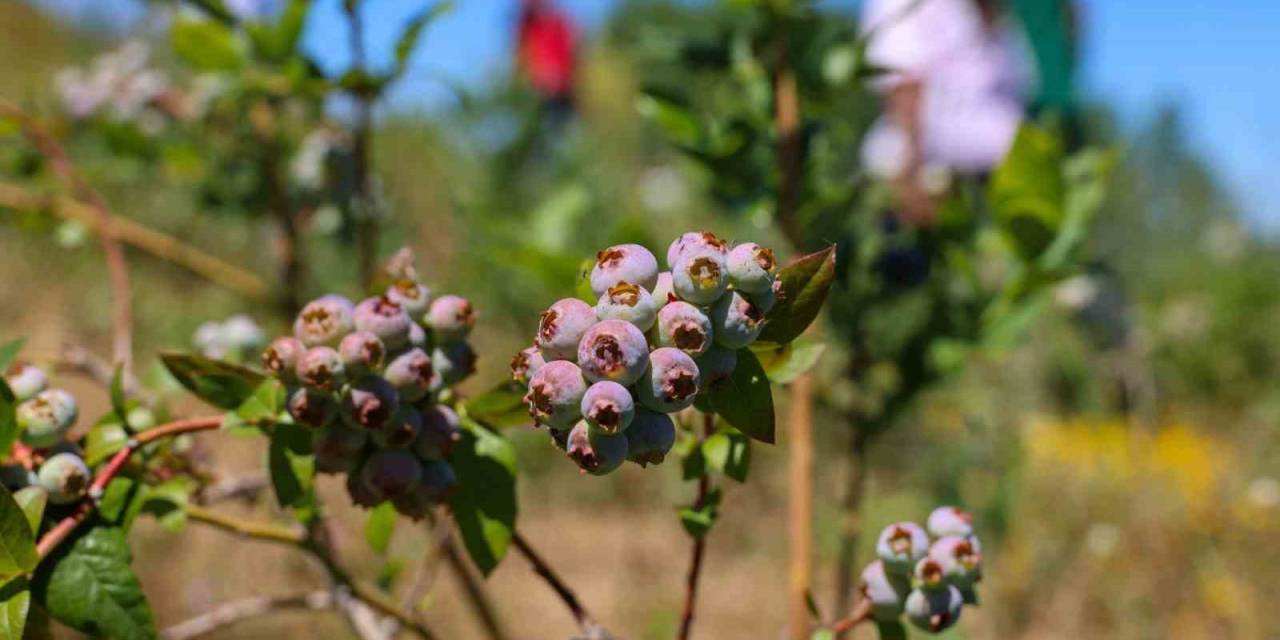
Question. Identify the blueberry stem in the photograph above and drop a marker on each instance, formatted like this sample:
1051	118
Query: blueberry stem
699	543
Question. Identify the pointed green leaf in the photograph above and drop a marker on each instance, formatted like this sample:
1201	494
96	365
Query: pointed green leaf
500	407
265	404
698	519
32	501
15	602
408	40
728	452
91	588
122	501
104	439
8	417
381	524
17	542
804	286
786	362
484	503
219	383
745	400
291	464
1027	191
167	502
206	45
9	353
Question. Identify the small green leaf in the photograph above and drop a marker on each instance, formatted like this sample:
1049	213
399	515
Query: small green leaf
17	541
583	289
484	503
891	630
1027	191
265	404
32	501
117	394
728	452
500	407
90	587
8	417
122	501
408	40
104	439
15	602
698	519
167	502
206	45
676	121
786	362
381	524
805	284
291	464
745	400
9	353
219	383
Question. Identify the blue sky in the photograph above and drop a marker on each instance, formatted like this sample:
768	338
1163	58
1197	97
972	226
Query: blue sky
1219	60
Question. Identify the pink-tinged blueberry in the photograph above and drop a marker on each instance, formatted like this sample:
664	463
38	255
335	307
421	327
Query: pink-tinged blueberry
950	521
362	353
664	291
736	321
555	394
624	263
412	375
562	326
901	545
629	302
451	318
321	369
700	277
281	357
369	402
752	268
695	241
412	296
526	363
887	593
596	452
671	383
323	321
608	407
382	317
685	327
613	350
960	559
313	409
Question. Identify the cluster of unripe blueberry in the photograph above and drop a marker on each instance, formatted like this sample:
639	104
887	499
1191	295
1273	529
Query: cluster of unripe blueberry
369	378
929	581
603	378
43	457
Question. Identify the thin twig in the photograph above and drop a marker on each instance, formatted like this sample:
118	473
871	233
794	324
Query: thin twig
141	237
699	546
117	268
472	585
246	528
67	525
230	613
850	519
241	487
587	625
861	613
77	358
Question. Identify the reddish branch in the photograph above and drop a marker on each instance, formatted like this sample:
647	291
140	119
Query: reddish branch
67	525
699	545
860	614
117	269
590	629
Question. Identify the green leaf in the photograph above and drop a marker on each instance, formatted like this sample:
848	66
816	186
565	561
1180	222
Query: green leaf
206	45
676	121
275	42
891	630
822	634
265	404
698	519
122	501
583	289
728	452
103	440
745	400
381	524
1027	191
8	417
291	464
91	588
15	602
219	383
785	362
32	501
408	40
500	407
117	394
17	541
484	503
805	284
167	502
9	353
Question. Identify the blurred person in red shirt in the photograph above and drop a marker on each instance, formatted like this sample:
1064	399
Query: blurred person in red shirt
547	53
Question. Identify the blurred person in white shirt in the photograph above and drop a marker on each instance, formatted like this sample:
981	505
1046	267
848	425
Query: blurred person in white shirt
953	95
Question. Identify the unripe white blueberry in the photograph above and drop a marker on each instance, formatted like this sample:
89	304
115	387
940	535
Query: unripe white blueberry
526	363
384	318
901	545
362	353
596	452
46	418
450	318
412	296
282	356
25	381
453	361
936	610
311	408
736	321
716	366
391	472
695	241
441	430
613	350
700	277
629	302
751	268
65	476
140	418
685	327
368	403
324	321
555	394
929	575
412	375
337	447
320	368
950	521
961	561
417	336
608	407
561	328
242	334
886	593
671	382
649	438
624	263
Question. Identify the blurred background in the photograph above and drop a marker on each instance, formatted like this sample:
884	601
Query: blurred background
1119	447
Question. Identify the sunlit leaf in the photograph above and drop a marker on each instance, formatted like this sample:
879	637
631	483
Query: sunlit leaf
91	588
805	284
484	503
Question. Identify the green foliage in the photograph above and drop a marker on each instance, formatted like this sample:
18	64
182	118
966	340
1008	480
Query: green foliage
745	400
805	285
379	527
207	45
291	464
500	407
15	602
219	383
408	39
89	586
9	352
8	417
698	519
17	540
32	500
785	362
484	504
729	452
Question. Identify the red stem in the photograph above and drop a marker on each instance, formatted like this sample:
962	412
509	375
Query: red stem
699	545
